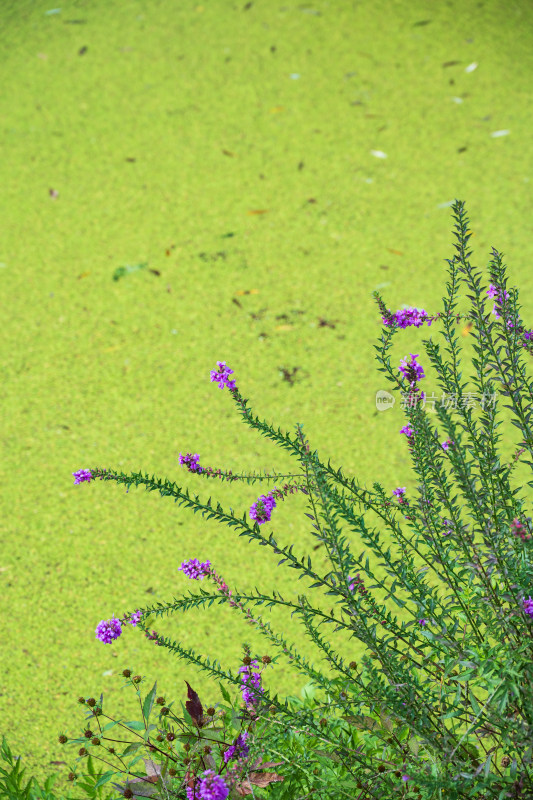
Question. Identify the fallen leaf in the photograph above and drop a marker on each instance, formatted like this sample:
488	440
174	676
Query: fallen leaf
247	291
396	252
468	327
259	211
276	109
228	153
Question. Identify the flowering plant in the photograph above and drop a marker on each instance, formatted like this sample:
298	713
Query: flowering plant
442	715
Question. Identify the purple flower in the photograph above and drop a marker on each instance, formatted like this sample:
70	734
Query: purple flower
134	619
446	444
194	570
212	787
357	581
528	606
191	462
222	376
250	677
493	291
82	475
447	522
412	370
422	621
238	748
409	316
108	630
407	430
261	510
399	492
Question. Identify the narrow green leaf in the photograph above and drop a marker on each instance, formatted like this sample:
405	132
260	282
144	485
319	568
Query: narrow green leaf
149	702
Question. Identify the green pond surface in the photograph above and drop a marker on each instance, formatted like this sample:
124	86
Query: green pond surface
188	183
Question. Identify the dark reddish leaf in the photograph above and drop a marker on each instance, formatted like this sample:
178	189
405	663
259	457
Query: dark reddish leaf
194	706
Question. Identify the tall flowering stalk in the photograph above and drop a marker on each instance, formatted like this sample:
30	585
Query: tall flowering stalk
432	717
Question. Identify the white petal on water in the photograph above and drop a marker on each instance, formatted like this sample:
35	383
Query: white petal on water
382	285
457	99
446	205
495	134
471	67
379	153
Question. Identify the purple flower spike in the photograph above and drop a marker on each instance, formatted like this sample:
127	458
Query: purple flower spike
254	678
238	748
211	787
412	370
261	510
194	570
493	291
191	462
399	492
406	317
82	475
222	375
446	444
108	630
